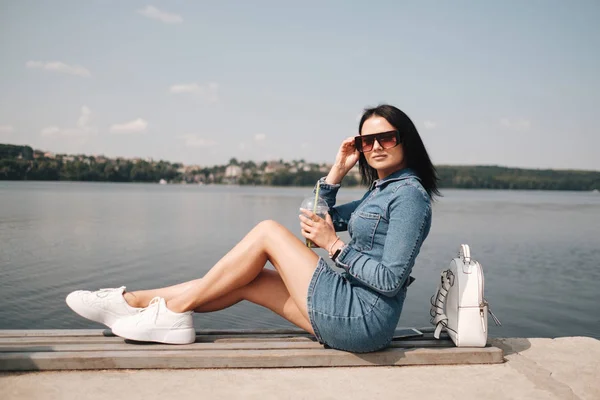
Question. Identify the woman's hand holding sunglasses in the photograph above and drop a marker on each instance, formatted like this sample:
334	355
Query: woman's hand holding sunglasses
347	156
345	159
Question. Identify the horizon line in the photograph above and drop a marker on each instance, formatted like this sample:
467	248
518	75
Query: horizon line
310	162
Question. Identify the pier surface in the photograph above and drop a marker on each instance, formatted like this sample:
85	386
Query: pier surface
93	364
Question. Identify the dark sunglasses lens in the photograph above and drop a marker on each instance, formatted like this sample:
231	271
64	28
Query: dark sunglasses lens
358	144
368	142
388	140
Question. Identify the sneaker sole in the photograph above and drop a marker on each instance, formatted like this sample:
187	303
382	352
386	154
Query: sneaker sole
74	302
168	336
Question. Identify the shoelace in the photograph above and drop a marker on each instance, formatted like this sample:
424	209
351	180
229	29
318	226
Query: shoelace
102	293
153	306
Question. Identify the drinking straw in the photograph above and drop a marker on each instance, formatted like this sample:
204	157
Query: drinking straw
309	242
316	197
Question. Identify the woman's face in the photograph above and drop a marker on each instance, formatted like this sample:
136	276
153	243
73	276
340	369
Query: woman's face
385	161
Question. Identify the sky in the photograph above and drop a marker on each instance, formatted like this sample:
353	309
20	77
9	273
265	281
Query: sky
511	83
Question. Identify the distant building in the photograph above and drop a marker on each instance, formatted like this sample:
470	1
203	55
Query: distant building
192	168
273	167
232	173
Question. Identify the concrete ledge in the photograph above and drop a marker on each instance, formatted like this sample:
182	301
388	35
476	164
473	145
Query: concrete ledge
549	369
99	349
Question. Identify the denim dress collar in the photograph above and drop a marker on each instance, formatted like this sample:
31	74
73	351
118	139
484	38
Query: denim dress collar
396	176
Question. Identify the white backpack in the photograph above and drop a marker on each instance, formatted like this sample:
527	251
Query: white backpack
459	305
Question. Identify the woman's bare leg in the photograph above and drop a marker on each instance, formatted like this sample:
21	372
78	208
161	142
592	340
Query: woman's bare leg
267	290
141	298
267	241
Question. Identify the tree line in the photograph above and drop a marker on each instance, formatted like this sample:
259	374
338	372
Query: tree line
24	163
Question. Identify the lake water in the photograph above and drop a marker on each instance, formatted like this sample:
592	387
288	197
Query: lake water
540	250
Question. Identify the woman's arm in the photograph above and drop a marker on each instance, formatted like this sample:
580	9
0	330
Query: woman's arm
340	215
410	213
347	156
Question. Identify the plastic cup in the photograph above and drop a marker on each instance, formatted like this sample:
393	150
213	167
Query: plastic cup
320	208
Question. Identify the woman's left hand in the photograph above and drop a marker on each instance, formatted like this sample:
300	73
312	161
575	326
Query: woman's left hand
320	231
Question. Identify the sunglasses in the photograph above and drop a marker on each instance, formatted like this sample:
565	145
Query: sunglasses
387	140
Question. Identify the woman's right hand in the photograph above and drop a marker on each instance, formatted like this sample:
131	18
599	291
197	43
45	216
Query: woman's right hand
346	158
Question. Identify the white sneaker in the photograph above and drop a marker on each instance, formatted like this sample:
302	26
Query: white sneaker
104	305
157	323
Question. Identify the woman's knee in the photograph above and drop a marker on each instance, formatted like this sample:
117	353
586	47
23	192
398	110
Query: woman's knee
272	236
269	226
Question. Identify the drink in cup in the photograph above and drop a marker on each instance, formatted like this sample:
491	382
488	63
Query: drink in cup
319	207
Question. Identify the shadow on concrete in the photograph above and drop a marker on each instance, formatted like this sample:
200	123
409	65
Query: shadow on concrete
512	345
18	361
385	357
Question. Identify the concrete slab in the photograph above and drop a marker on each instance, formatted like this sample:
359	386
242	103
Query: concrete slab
448	382
562	368
573	363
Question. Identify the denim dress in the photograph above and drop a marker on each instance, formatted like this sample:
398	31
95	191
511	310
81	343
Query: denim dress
358	309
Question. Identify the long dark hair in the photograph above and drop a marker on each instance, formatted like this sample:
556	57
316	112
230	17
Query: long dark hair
415	153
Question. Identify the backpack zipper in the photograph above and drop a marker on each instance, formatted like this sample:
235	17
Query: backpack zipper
482	302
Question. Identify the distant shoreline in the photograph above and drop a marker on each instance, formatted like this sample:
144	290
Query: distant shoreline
22	163
357	187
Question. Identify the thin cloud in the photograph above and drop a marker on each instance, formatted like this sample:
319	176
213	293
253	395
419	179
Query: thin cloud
516	124
429	124
57	66
136	126
210	91
6	129
50	131
84	118
194	141
82	130
186	88
259	137
162	16
67	132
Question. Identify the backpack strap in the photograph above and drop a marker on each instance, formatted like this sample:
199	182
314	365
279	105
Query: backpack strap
437	311
464	253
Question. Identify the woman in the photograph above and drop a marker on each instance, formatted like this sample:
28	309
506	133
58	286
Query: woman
356	310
